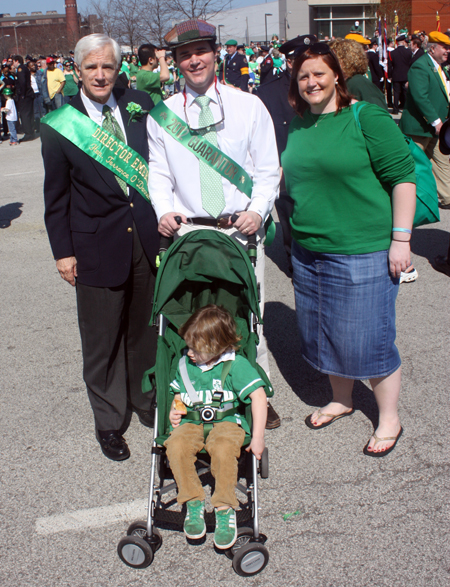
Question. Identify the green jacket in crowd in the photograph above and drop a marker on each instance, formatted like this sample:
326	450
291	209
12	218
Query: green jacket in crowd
426	100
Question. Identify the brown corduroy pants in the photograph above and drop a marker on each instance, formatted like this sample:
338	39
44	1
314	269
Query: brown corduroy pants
223	444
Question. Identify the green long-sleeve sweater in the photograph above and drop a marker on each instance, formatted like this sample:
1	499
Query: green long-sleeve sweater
341	177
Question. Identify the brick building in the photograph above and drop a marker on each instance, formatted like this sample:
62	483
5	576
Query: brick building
417	14
423	15
45	33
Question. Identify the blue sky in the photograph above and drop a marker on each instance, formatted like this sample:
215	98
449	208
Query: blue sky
44	5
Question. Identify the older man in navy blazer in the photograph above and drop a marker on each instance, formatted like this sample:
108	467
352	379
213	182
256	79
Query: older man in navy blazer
104	238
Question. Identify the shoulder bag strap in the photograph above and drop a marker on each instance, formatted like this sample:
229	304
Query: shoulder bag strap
193	396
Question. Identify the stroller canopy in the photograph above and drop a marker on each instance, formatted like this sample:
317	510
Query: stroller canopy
205	267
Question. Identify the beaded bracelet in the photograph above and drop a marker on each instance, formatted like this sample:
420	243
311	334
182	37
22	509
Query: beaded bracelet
402	230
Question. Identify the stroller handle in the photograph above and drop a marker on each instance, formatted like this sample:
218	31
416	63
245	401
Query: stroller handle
166	241
251	242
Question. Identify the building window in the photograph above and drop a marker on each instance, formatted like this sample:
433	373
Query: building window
337	21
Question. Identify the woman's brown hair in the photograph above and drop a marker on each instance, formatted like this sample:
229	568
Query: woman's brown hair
343	98
210	330
352	57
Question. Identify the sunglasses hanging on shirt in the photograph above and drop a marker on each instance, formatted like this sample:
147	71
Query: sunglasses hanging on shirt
222	112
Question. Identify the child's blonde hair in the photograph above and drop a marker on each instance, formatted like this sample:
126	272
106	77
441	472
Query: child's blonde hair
210	330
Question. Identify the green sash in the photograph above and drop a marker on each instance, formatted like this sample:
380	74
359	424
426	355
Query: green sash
209	154
101	145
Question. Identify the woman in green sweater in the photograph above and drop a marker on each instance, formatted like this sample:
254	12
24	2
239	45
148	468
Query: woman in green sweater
134	68
353	187
71	86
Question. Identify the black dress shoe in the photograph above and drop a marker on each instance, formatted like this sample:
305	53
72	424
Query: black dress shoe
146	417
273	419
113	445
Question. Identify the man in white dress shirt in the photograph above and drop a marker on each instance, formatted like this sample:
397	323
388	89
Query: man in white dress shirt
240	126
104	236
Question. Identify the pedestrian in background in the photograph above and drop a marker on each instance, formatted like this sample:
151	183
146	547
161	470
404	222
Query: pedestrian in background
354	61
234	68
38	104
25	98
427	107
71	85
134	68
147	78
55	84
41	80
400	61
11	116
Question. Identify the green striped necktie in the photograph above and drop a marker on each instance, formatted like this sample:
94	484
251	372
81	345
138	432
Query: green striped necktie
213	200
112	126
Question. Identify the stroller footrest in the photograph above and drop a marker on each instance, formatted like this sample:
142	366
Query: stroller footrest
177	518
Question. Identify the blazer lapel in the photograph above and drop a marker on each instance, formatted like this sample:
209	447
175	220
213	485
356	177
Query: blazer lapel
133	131
108	176
439	79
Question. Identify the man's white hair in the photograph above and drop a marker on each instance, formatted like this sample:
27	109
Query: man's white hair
93	43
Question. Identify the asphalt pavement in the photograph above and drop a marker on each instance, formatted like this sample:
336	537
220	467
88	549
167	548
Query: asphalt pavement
355	521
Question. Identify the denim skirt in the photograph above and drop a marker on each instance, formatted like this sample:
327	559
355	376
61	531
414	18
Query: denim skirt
345	307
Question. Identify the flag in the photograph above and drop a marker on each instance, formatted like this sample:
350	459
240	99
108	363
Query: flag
380	41
438	22
396	26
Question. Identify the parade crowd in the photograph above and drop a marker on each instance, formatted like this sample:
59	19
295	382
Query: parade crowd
198	136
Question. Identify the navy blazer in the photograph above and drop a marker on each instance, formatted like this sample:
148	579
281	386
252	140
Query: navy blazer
86	212
400	62
274	95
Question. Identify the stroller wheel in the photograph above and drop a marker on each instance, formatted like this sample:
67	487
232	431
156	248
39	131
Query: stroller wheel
135	552
250	559
244	537
140	529
264	464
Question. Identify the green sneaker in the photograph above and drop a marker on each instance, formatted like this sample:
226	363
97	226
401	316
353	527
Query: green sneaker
194	524
225	533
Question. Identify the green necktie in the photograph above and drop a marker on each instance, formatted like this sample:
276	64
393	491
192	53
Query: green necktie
213	200
112	126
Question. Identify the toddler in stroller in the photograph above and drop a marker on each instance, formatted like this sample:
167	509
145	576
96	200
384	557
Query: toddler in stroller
204	268
210	384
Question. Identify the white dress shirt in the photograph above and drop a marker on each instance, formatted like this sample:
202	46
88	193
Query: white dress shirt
246	135
34	84
436	67
95	110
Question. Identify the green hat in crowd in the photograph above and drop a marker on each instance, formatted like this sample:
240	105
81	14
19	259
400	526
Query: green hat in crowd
231	42
8	92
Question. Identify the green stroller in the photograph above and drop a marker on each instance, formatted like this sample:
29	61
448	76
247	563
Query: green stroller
203	267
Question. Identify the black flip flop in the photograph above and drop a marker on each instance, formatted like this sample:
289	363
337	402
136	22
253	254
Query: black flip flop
332	416
382	453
